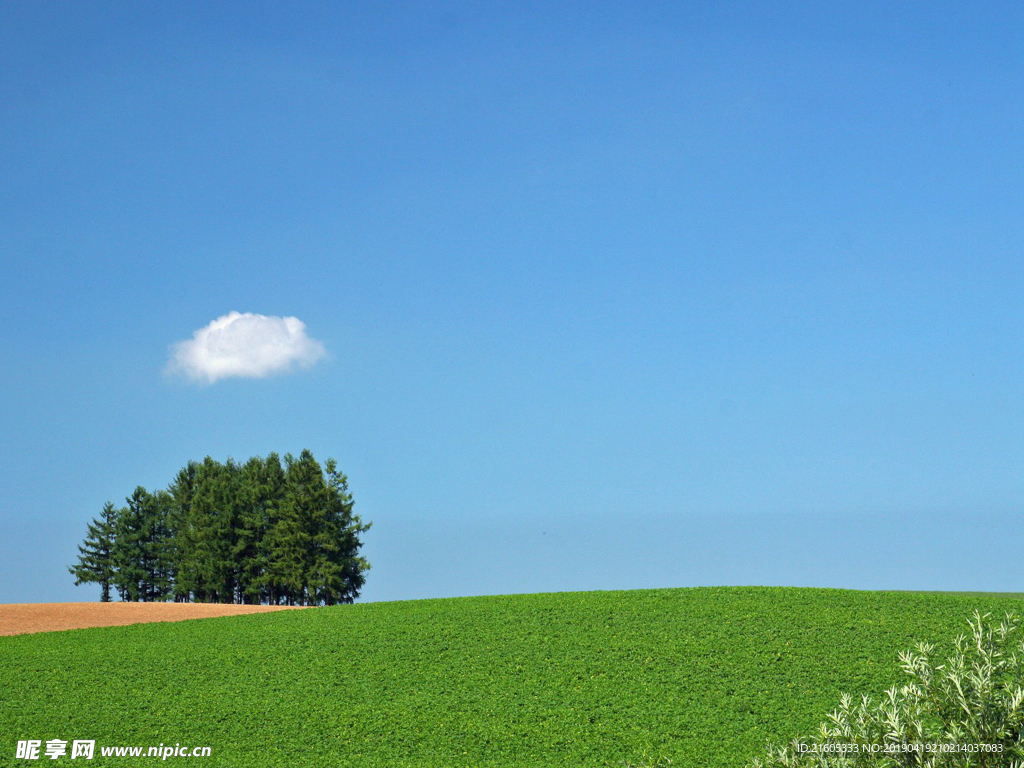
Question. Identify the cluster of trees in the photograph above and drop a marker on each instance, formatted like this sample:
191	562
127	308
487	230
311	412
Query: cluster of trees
266	531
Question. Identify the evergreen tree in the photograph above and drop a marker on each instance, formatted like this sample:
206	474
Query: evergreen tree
95	563
128	552
142	554
157	546
344	572
180	494
259	532
288	540
264	484
212	531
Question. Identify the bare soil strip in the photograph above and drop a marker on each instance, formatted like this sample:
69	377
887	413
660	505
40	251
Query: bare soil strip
25	618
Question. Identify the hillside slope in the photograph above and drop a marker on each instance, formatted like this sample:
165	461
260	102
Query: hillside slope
28	618
702	676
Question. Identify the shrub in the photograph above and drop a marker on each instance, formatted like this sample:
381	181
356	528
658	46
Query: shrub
966	711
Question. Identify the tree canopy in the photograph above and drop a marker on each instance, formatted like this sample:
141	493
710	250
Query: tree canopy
265	531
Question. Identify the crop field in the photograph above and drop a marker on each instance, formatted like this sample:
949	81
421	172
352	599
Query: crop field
27	618
701	676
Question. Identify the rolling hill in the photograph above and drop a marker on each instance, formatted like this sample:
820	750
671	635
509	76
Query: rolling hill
702	676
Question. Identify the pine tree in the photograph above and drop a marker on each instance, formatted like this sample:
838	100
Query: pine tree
128	551
95	563
288	540
157	546
183	568
345	572
142	551
311	502
263	482
212	531
259	532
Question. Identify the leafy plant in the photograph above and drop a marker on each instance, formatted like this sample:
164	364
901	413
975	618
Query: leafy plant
702	676
646	761
967	711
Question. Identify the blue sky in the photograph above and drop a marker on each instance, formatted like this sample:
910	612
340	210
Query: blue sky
612	295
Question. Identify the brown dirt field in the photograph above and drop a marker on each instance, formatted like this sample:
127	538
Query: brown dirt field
25	618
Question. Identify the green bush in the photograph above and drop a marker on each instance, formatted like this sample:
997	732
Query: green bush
966	711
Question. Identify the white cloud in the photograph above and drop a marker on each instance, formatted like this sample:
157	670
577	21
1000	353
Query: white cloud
245	345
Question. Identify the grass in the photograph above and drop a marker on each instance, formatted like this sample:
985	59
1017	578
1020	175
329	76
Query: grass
702	676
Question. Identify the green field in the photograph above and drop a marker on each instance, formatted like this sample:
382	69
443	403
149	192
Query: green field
702	676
